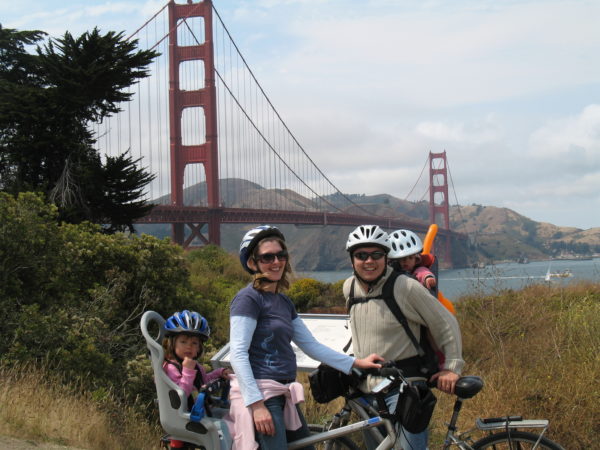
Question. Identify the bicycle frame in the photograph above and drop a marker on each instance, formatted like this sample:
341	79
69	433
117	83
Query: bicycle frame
369	419
339	427
386	444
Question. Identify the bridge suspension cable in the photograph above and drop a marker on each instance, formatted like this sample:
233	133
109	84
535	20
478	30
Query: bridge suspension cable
418	179
261	163
462	219
300	164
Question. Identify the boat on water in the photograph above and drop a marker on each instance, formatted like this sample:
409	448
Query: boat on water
562	274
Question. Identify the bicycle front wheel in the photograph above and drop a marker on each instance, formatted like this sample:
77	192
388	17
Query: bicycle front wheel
515	440
340	443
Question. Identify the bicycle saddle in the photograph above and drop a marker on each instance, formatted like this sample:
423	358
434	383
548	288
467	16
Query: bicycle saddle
467	387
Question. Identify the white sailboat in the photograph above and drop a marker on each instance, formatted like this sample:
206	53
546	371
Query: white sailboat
564	274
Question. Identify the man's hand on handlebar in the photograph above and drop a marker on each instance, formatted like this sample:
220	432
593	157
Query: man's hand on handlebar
446	380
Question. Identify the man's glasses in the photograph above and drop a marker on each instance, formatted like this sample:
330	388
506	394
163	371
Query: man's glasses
268	258
363	256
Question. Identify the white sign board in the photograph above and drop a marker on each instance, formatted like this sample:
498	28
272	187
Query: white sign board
333	330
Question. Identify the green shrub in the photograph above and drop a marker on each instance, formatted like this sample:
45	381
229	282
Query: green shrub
73	296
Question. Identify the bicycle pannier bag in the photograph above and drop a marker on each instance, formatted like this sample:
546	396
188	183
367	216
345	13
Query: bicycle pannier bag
415	407
327	383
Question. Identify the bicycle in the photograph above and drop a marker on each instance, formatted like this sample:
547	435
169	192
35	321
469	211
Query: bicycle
210	433
503	432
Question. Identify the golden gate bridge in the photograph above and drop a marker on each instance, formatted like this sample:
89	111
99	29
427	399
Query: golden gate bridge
220	151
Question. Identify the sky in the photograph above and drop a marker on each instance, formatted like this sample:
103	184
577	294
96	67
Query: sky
509	89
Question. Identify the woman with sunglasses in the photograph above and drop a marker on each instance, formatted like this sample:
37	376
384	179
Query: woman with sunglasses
368	246
263	324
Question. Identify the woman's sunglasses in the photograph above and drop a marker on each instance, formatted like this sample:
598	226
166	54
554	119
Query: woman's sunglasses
363	256
268	258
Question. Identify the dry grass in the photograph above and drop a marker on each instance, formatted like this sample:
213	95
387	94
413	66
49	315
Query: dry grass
36	406
538	352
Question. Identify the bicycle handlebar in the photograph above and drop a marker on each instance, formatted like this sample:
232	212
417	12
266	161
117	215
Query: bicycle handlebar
213	386
388	370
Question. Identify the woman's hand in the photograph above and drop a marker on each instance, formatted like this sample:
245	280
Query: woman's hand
446	380
226	372
369	362
262	418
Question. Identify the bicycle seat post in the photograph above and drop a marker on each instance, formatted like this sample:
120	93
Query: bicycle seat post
452	425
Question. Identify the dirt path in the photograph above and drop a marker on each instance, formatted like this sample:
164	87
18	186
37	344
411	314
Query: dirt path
20	444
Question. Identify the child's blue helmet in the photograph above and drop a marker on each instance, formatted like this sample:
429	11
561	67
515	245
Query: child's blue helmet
187	322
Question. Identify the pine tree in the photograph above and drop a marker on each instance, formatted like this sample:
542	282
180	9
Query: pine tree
47	100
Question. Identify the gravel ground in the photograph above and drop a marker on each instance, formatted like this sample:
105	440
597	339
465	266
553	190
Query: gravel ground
19	444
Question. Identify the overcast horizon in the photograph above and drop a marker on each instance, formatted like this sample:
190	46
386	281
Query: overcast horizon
510	90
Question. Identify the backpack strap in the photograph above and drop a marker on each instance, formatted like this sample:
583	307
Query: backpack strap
426	360
387	294
390	301
352	300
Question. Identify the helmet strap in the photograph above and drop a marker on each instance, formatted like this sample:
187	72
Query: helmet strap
261	280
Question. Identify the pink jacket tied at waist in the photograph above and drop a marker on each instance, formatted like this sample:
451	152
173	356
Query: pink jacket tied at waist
240	420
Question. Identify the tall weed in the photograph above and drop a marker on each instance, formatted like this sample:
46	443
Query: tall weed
36	405
537	350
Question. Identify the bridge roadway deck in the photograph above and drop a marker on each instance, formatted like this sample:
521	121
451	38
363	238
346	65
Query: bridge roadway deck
198	214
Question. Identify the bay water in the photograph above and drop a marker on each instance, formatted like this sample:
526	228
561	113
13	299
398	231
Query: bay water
455	283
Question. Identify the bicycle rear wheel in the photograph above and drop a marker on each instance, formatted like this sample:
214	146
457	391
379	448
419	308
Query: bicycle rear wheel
515	440
340	443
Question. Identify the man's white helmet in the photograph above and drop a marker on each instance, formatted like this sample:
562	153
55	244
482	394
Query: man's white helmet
367	235
404	243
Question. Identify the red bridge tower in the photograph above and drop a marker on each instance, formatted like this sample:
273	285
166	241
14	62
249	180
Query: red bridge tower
205	98
439	209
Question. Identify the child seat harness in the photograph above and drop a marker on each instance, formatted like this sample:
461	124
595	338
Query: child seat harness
198	382
425	363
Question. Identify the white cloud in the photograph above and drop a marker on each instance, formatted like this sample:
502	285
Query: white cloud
573	139
478	133
460	57
370	87
79	16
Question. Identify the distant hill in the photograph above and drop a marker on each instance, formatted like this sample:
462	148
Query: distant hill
495	234
503	234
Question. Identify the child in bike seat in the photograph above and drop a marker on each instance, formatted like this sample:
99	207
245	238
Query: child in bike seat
405	257
185	334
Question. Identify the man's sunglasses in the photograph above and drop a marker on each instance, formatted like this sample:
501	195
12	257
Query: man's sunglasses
363	256
268	258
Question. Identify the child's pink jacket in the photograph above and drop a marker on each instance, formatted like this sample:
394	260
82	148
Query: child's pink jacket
185	378
421	273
